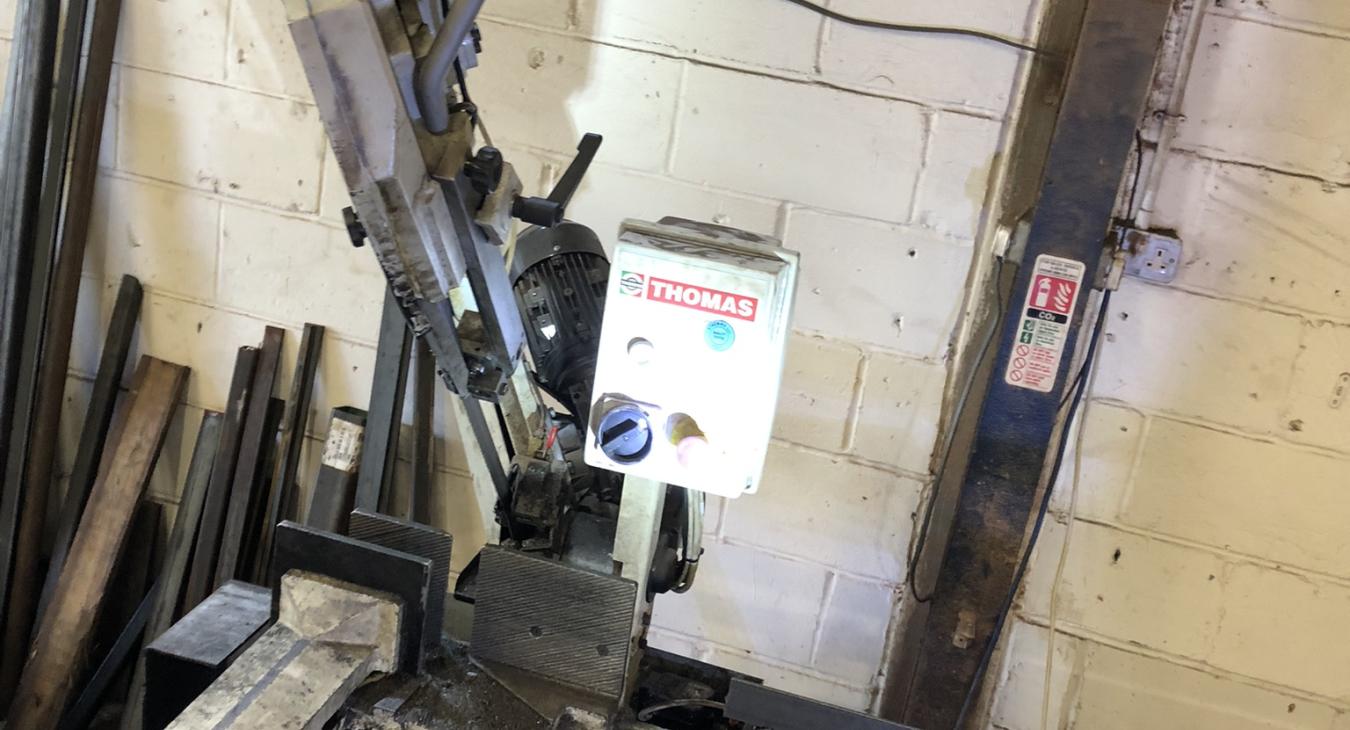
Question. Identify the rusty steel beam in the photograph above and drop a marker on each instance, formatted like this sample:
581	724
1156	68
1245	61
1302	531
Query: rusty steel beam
1104	98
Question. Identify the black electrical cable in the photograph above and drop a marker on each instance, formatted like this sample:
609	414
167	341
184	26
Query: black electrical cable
506	431
466	102
1079	389
564	402
920	542
909	28
1138	170
648	713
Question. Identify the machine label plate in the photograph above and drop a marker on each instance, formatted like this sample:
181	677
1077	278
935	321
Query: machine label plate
1044	329
690	296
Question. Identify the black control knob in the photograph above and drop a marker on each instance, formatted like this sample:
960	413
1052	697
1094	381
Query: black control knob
485	170
355	230
625	434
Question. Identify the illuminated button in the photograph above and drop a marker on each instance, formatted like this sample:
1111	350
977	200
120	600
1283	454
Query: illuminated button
641	350
691	444
693	452
720	335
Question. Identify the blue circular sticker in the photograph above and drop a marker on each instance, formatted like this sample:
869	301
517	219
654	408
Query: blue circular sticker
720	335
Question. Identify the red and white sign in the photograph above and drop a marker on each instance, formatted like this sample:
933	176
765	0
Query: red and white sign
1043	331
1054	294
703	299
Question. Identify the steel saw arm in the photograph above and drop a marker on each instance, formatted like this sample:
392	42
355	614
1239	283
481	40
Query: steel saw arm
436	209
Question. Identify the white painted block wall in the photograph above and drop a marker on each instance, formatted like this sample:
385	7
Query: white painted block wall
870	153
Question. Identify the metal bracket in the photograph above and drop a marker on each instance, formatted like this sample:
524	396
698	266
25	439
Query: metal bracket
1149	255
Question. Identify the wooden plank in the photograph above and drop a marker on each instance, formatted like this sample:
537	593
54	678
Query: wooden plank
281	495
97	426
201	578
61	649
246	470
174	571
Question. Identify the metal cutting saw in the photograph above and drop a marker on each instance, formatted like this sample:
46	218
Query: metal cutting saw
631	380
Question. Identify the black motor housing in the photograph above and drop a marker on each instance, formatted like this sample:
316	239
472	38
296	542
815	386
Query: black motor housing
560	275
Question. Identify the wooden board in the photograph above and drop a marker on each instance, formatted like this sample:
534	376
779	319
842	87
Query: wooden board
61	649
94	434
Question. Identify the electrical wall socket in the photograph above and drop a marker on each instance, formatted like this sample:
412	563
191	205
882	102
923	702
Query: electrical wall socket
1151	256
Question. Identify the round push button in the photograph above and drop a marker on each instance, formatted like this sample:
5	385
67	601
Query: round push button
720	335
641	350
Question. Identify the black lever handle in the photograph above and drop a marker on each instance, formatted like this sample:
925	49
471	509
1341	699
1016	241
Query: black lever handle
571	180
550	211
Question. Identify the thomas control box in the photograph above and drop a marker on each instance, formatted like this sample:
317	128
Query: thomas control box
691	354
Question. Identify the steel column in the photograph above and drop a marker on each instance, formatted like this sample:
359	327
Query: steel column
281	493
375	480
26	112
1103	101
424	434
334	493
201	577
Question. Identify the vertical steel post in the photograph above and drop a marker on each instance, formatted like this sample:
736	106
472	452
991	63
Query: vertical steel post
1107	88
26	111
374	482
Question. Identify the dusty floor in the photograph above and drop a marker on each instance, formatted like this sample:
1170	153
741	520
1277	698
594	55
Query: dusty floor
453	694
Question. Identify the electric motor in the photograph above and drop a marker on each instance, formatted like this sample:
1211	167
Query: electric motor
560	275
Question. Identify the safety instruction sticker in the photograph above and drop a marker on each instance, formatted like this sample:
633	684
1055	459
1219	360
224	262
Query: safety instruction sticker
342	450
1043	331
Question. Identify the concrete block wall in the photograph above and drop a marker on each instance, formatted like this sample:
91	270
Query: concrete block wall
1209	570
1207	581
868	152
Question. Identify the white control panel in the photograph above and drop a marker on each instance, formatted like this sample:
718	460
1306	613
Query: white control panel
691	355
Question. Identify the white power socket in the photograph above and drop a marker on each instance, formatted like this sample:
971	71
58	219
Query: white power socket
691	355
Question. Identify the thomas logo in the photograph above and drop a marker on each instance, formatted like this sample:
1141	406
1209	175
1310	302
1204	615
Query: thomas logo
702	299
632	284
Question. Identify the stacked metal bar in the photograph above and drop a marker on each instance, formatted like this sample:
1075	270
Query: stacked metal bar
26	110
385	420
243	478
52	114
